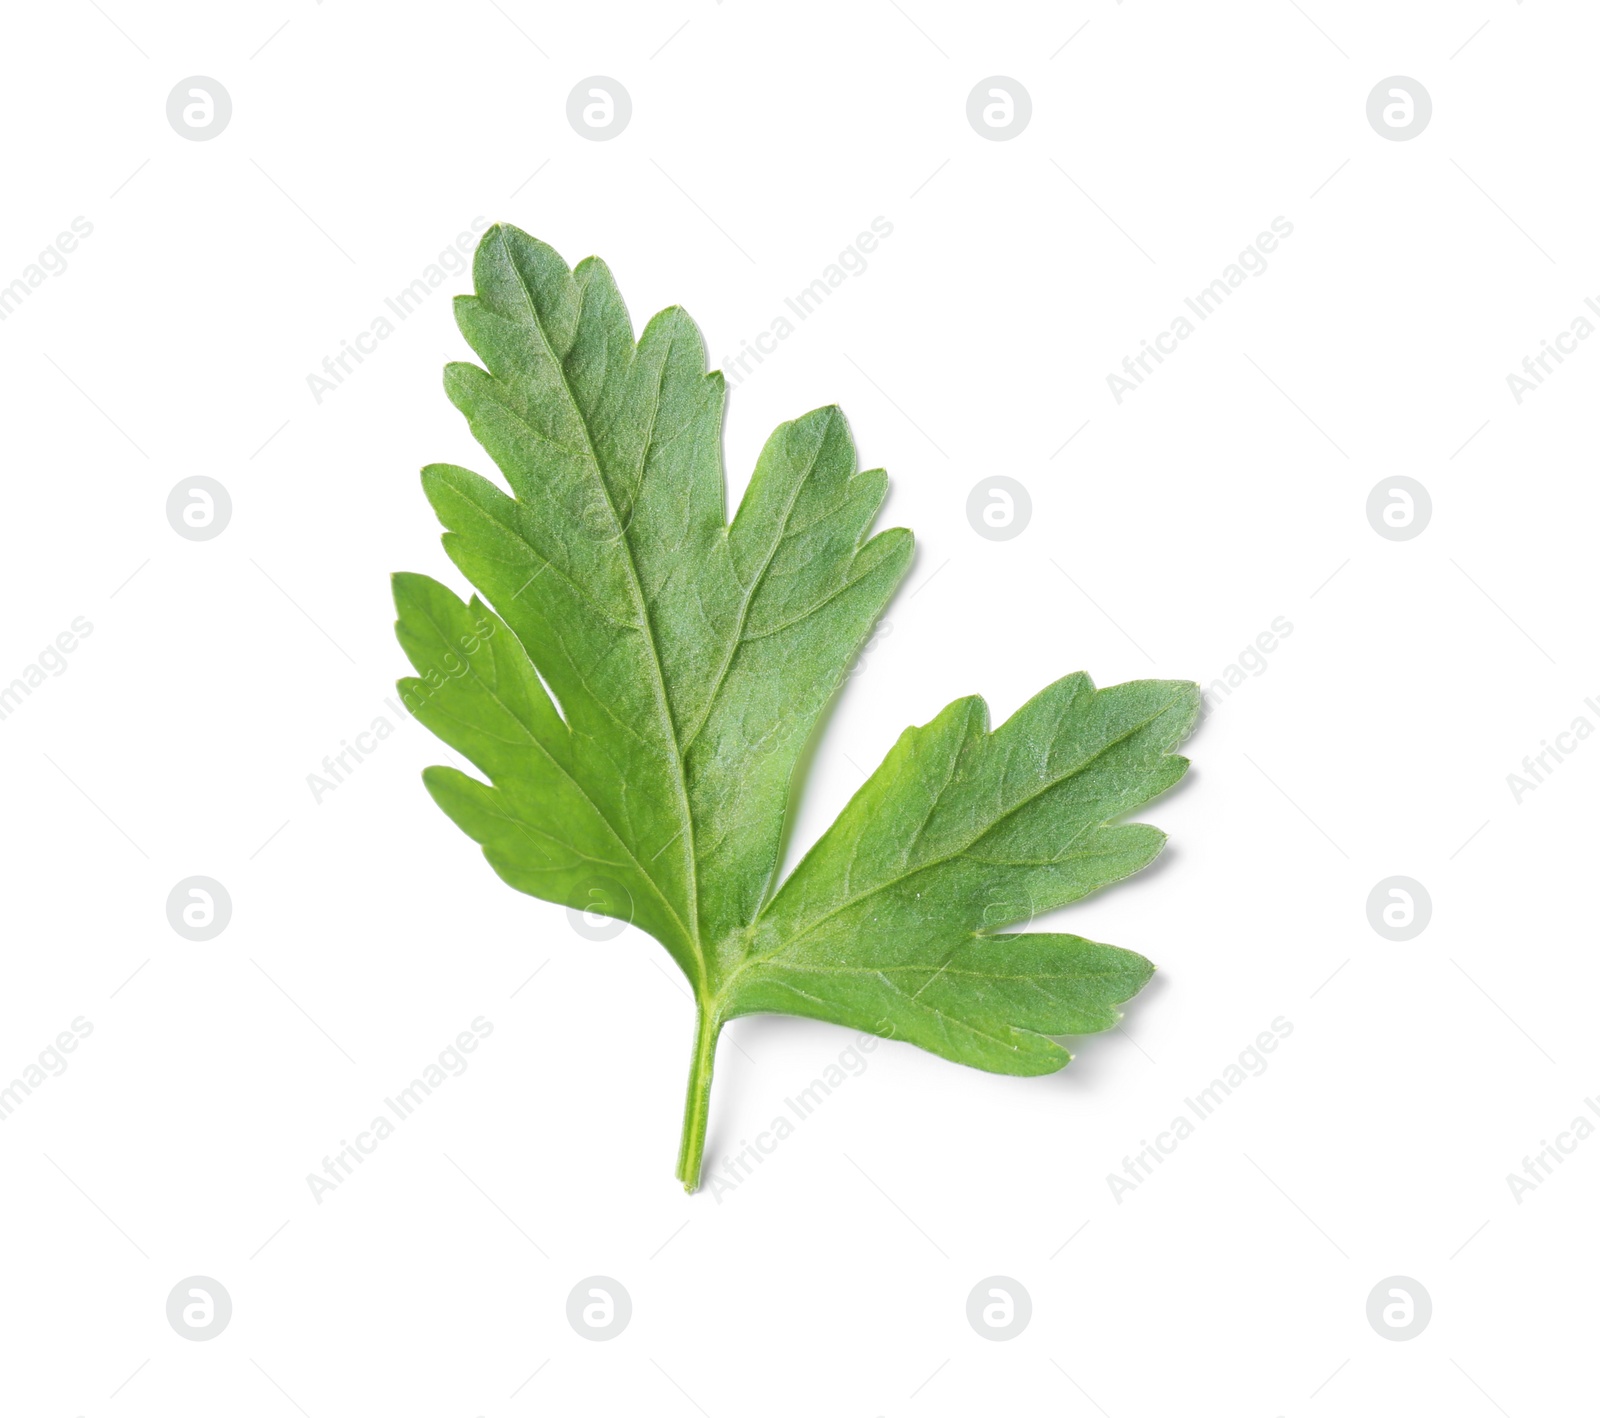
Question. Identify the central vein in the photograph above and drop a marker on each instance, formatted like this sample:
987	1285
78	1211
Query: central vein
658	678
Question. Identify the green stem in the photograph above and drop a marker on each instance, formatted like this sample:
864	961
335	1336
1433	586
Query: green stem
697	1105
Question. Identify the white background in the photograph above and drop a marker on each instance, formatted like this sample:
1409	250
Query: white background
1172	529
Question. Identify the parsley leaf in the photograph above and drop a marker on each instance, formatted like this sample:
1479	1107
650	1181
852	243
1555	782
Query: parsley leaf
640	678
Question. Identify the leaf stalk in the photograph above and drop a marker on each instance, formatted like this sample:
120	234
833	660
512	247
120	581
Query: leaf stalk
697	1102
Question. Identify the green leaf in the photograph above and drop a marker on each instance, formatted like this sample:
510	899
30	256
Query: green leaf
639	679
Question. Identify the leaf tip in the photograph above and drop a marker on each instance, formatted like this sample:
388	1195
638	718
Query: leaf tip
404	586
898	541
